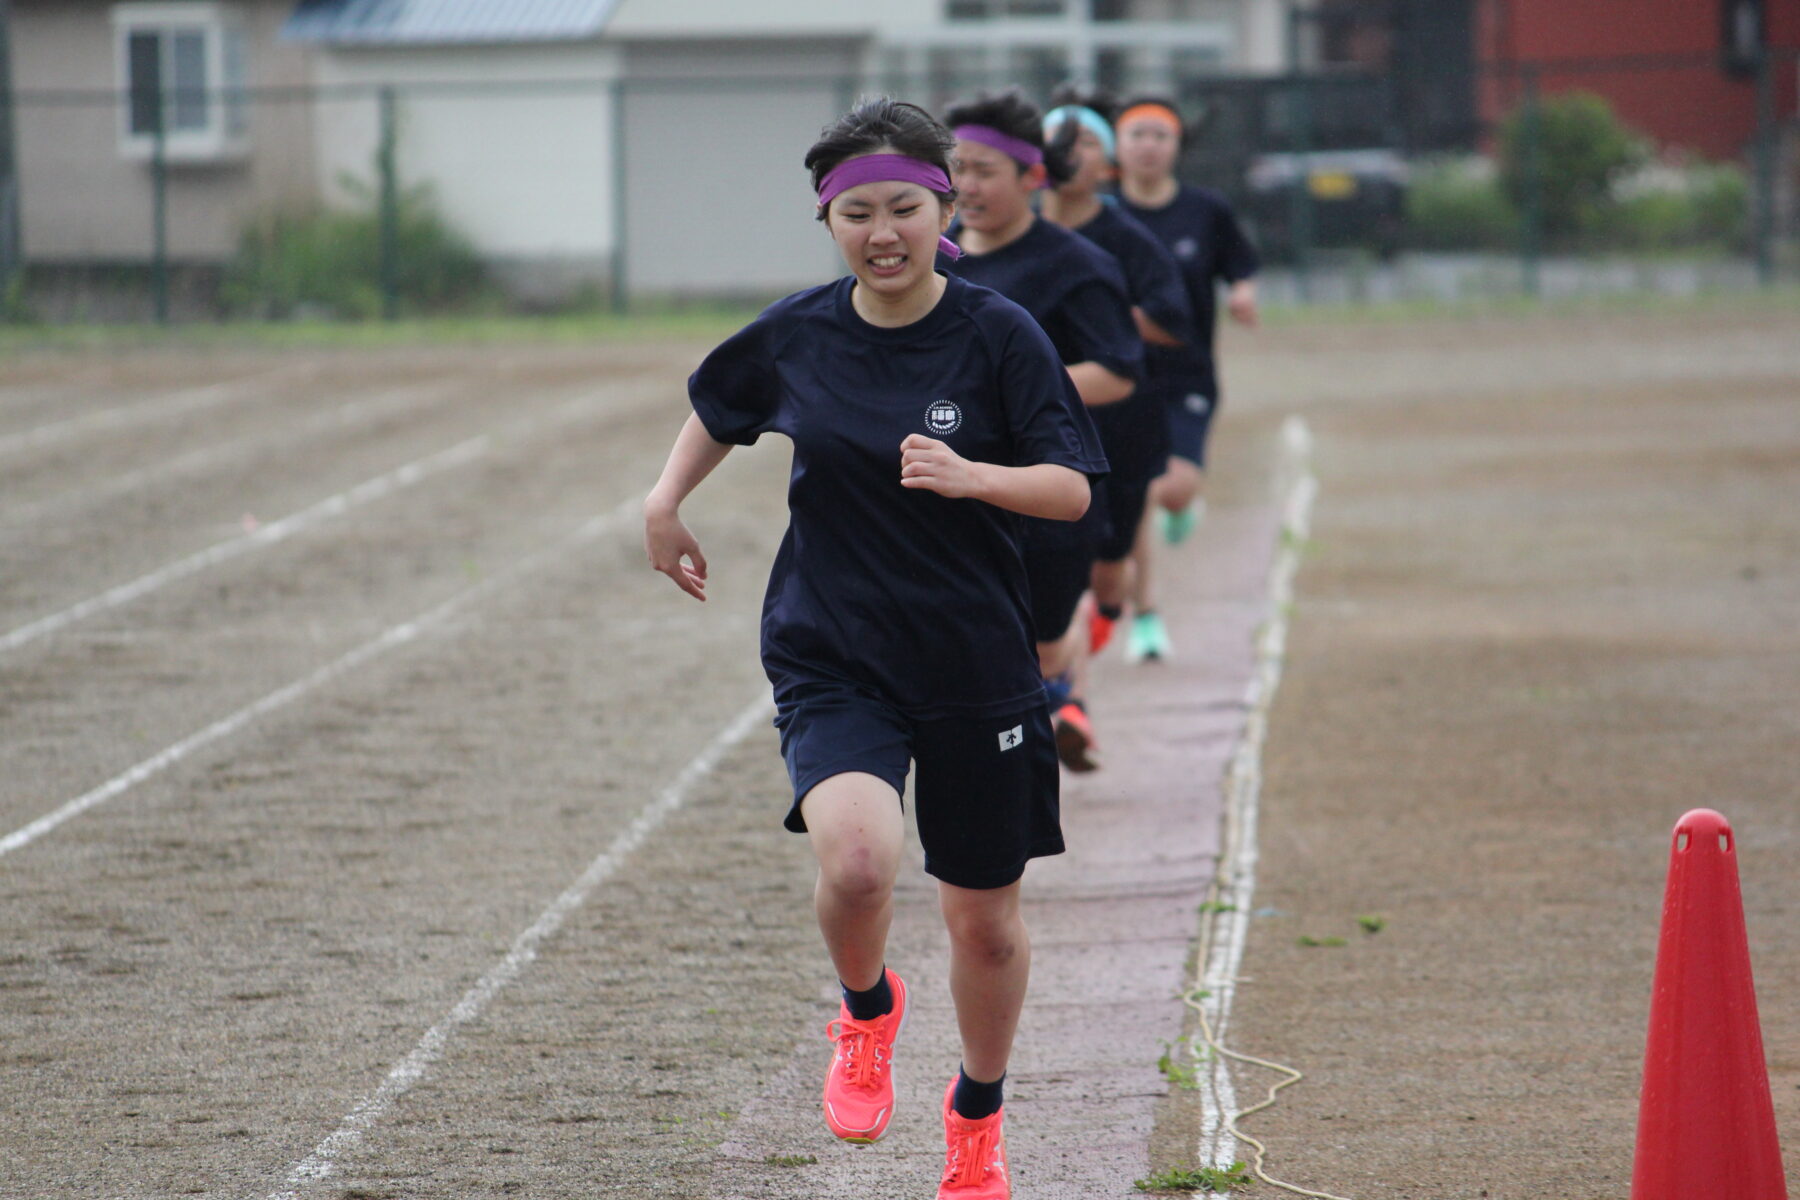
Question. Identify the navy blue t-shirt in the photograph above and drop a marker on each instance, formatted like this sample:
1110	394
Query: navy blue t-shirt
1209	245
1135	431
1075	290
907	595
1152	276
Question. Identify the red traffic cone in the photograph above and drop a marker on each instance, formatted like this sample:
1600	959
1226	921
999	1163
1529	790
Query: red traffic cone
1706	1126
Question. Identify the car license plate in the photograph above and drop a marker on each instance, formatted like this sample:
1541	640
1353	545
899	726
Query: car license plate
1331	185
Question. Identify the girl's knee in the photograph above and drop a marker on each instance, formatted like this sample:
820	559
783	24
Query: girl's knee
989	939
861	877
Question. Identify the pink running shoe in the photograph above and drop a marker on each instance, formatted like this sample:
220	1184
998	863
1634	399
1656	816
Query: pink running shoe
974	1156
859	1085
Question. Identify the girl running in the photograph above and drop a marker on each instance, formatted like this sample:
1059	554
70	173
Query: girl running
1134	432
1200	229
1077	294
925	413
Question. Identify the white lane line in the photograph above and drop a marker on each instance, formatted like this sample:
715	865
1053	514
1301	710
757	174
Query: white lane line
409	1071
365	408
288	526
265	535
398	635
184	401
1243	791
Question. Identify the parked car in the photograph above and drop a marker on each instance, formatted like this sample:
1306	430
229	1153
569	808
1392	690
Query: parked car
1353	198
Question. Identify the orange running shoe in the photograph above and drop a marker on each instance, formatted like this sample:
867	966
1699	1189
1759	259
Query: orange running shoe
1100	631
974	1156
1075	741
859	1085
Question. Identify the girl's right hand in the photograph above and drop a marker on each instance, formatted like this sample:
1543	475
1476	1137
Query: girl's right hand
668	543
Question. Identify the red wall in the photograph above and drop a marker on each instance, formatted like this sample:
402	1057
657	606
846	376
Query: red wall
1698	108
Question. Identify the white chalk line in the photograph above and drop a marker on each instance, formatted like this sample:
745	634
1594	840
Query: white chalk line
409	1071
176	403
344	415
286	527
264	535
1243	792
397	635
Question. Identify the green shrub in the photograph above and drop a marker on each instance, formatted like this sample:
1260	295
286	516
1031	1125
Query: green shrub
330	263
1455	205
1582	149
1721	196
1702	206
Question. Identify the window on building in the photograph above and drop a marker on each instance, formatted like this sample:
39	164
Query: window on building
1038	69
182	69
987	10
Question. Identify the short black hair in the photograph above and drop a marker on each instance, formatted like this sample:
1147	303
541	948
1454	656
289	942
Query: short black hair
1181	134
883	123
1101	101
1015	116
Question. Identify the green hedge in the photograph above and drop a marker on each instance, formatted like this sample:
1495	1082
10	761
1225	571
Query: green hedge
1455	205
329	264
1465	205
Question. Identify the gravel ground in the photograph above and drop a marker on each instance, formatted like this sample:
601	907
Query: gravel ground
1547	607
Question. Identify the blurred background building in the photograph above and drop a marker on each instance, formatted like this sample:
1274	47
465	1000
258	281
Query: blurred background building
219	153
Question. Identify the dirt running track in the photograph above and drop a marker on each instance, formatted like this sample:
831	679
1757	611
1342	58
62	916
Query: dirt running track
394	678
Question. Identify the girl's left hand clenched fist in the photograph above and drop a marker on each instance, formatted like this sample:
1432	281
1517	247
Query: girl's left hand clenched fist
930	464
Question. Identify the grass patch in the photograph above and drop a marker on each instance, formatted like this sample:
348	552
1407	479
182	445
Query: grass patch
1195	1179
790	1160
1180	1065
1310	942
710	322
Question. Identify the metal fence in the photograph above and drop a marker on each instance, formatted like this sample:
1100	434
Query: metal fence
371	201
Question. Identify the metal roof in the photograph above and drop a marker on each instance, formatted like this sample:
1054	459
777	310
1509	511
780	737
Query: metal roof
428	22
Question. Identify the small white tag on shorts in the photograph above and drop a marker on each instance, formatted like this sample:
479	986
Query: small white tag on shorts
1012	738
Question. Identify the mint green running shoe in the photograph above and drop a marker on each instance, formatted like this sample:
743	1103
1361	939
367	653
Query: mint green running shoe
1148	640
1177	525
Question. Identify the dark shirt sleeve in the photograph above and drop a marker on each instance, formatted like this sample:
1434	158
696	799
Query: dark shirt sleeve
1237	258
1097	328
1049	423
1159	288
735	392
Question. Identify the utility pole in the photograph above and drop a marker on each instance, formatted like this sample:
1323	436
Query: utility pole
1300	214
11	250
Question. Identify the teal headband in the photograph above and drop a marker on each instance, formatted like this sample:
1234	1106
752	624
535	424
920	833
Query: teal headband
1089	118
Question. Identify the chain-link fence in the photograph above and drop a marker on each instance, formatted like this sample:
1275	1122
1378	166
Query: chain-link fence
377	199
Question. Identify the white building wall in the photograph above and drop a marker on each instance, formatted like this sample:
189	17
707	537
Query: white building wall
515	142
767	18
718	200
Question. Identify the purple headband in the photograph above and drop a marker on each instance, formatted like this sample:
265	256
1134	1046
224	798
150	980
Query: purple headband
1019	150
877	168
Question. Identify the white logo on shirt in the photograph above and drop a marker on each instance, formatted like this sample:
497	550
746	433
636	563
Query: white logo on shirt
1011	738
1187	247
943	417
1197	404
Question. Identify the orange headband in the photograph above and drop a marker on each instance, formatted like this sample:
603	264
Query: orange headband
1160	113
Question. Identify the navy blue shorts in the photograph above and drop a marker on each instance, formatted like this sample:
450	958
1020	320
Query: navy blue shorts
986	797
1191	409
1125	500
1059	559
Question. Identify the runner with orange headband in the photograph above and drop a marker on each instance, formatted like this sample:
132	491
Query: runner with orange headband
1134	432
1200	229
